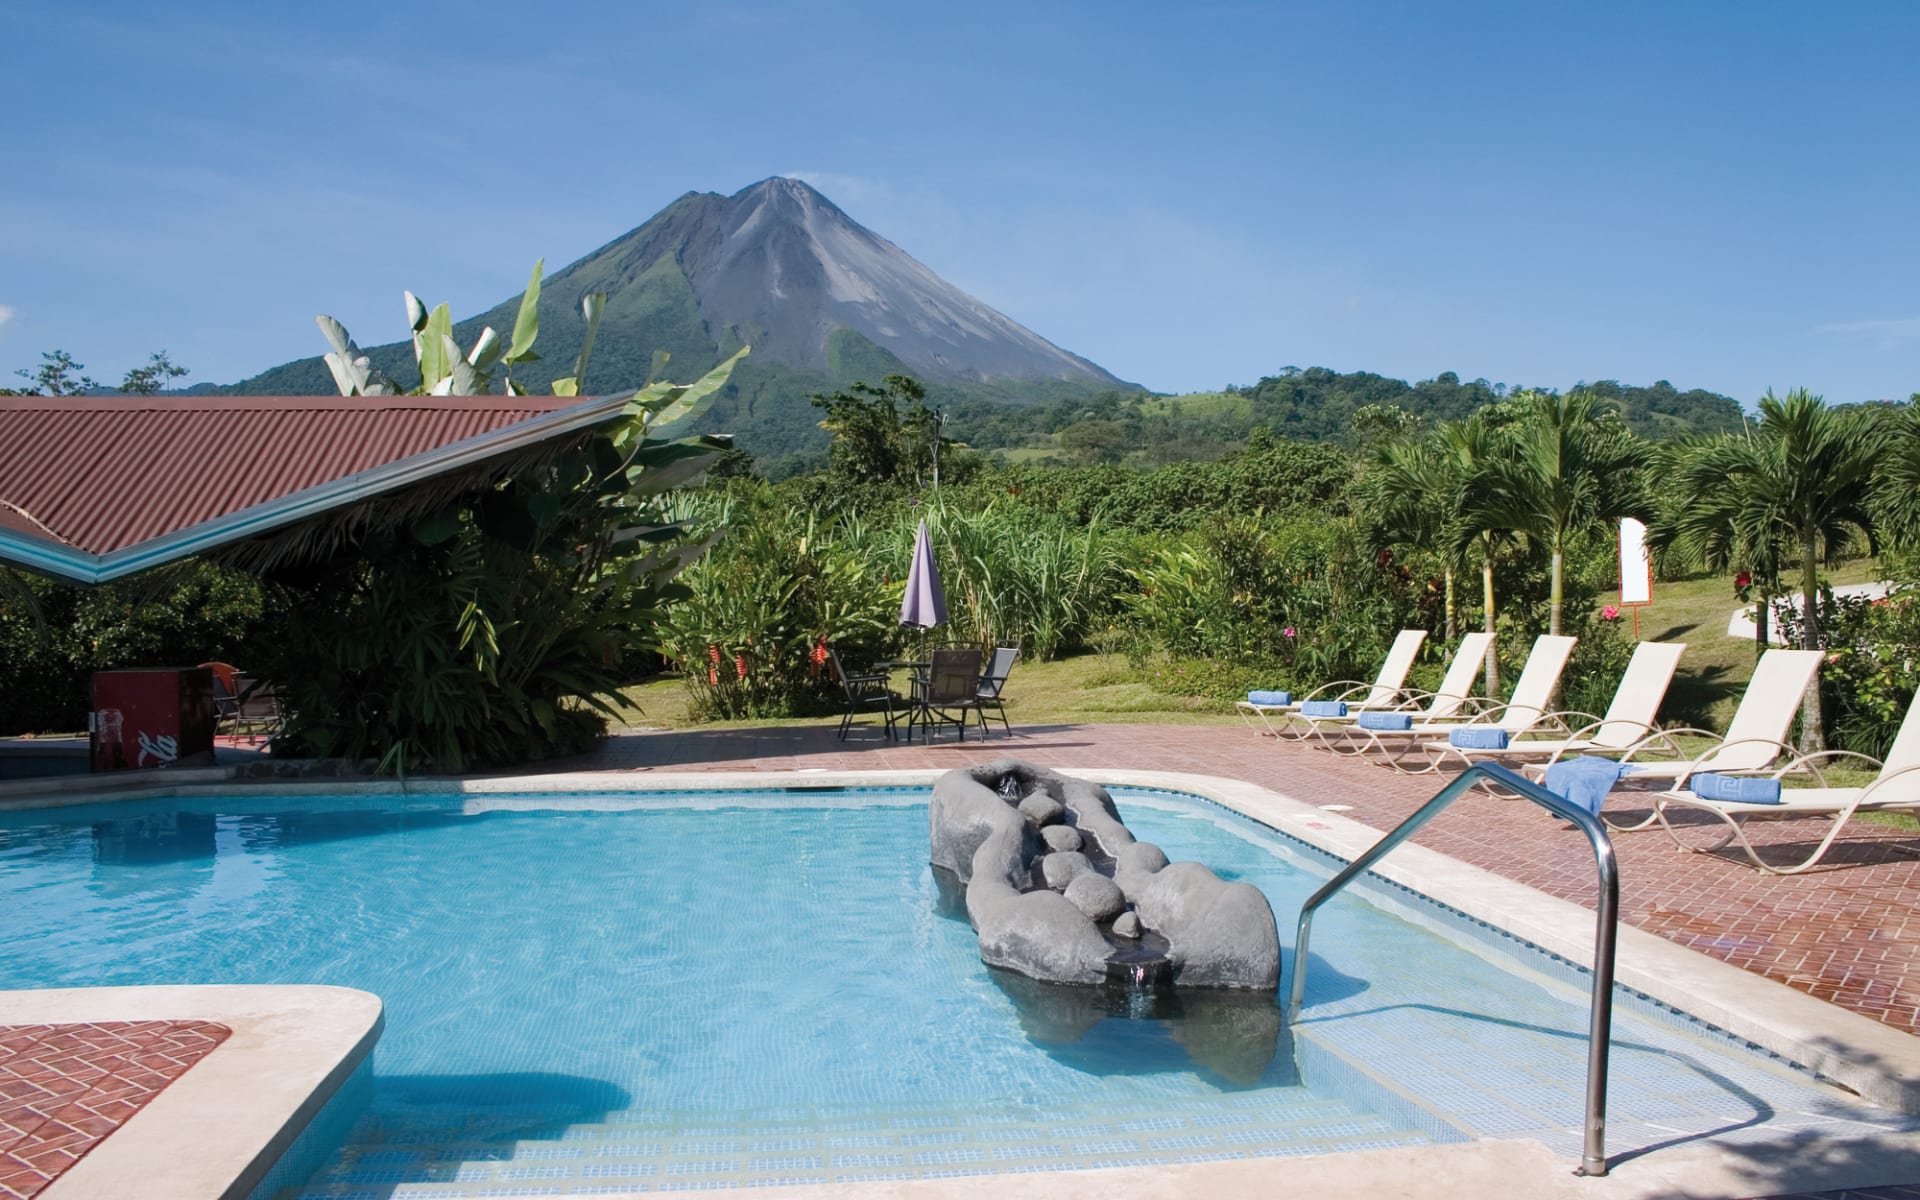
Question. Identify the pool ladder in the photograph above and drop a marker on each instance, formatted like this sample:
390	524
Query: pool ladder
1593	1160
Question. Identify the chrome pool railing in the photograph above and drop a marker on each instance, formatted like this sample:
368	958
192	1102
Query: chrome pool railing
1593	1159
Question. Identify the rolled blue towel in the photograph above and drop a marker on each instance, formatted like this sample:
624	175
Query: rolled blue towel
1478	737
1390	722
1746	789
1585	780
1270	699
1323	708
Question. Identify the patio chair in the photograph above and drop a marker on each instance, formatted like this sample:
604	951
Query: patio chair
947	693
992	687
864	693
1453	697
1629	719
226	699
1383	692
1754	740
257	714
1896	787
1407	749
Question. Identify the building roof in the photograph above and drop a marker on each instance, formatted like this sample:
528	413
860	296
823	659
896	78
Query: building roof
93	488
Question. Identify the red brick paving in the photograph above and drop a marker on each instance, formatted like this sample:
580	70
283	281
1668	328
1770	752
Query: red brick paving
1848	932
63	1088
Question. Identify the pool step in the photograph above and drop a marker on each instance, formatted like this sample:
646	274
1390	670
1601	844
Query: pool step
639	1156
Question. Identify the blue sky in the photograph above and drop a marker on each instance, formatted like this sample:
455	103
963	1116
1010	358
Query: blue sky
1724	195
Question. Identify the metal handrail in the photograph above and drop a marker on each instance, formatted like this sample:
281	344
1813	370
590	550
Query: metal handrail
1593	1158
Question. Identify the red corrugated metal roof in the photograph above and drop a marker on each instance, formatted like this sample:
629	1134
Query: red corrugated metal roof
103	474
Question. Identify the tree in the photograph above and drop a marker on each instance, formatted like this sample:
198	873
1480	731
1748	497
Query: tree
1470	446
152	377
1572	468
1799	482
1413	490
59	375
876	440
1719	527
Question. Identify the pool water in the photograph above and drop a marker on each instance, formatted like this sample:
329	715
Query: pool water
640	991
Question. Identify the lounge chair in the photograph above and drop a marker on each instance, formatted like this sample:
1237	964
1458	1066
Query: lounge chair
1455	694
1406	749
1629	719
1896	787
993	686
1383	692
1755	737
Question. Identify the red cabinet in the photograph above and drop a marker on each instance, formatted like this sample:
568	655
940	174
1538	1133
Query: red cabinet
151	718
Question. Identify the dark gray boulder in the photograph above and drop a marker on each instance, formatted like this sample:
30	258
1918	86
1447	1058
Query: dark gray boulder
1219	934
1041	809
1061	837
1096	895
1063	868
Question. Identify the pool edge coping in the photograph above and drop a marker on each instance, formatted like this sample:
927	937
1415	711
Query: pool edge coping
235	1111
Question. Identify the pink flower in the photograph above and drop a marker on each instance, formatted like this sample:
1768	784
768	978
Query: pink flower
1287	632
1610	613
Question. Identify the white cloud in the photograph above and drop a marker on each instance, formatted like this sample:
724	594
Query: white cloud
6	314
1885	334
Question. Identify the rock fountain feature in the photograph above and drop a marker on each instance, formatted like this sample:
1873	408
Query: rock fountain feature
1085	925
1059	890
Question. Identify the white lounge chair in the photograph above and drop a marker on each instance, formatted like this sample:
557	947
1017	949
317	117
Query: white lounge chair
1454	695
1896	787
1383	692
1629	719
1755	737
1406	749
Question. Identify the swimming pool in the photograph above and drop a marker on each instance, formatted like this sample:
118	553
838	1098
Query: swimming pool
647	990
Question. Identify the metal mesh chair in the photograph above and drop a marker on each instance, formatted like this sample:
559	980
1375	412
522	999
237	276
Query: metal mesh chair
948	693
865	693
992	685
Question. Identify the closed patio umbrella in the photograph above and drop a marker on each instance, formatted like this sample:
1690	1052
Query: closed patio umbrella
925	603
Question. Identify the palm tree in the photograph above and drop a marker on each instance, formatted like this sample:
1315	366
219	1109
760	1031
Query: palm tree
1801	481
1719	527
1896	495
1412	490
1470	447
1572	467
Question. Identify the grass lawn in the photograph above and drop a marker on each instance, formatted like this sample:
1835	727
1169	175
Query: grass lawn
1073	691
1715	669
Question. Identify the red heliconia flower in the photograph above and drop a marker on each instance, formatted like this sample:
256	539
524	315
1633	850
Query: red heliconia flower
713	654
740	664
713	677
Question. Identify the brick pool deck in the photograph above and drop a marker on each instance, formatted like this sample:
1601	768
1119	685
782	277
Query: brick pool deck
64	1088
1847	932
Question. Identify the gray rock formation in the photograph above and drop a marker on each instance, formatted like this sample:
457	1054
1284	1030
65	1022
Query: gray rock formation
1215	934
1060	837
1097	896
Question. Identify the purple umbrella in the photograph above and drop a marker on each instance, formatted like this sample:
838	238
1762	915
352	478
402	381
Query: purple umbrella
925	604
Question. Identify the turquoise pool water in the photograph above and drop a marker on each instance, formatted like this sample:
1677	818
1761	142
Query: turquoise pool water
642	990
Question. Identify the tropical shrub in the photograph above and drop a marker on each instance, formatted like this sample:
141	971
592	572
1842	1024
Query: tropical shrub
761	608
1301	601
53	636
1872	672
1598	662
1018	577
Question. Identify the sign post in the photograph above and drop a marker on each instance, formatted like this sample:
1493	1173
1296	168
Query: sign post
1636	569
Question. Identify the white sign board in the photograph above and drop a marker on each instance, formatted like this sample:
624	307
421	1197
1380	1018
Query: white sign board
1636	567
